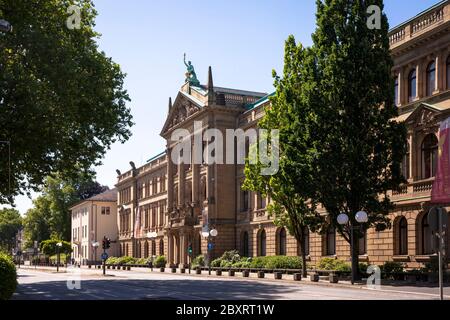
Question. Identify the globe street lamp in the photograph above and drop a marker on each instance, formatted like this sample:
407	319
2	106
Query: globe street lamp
5	26
343	219
152	236
95	245
207	235
58	247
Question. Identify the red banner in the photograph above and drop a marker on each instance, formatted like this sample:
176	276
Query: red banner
441	186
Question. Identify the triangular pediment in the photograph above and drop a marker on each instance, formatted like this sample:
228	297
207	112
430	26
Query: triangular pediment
424	115
183	108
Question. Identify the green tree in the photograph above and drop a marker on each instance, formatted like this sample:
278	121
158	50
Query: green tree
10	224
360	145
291	189
50	248
62	99
50	215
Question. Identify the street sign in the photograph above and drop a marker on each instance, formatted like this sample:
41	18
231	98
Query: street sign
104	256
210	246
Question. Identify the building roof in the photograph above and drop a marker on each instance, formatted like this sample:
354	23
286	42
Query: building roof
418	15
109	195
156	157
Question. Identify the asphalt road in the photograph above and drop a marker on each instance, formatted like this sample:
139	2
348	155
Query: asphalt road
138	285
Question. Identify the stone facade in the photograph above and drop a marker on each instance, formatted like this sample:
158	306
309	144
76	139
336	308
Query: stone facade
179	194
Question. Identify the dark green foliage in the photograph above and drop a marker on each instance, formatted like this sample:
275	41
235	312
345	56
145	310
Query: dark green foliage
63	100
198	261
391	267
8	277
160	261
49	247
10	224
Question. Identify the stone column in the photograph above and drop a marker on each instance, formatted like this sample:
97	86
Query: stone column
170	249
169	181
182	249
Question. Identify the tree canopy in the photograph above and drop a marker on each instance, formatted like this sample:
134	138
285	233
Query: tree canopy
10	224
63	101
50	215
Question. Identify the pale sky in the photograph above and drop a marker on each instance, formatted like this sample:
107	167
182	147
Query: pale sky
242	41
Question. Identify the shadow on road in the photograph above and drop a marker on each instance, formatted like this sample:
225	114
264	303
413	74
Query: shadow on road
152	289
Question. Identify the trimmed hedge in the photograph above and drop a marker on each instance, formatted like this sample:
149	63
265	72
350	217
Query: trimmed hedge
198	261
160	262
8	277
232	259
333	265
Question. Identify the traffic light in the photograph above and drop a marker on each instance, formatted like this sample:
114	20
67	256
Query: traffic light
190	248
106	243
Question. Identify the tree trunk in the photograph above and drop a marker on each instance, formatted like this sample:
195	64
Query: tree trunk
354	254
302	242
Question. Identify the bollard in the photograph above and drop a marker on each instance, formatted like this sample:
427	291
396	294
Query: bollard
162	269
261	274
297	276
231	273
182	270
314	277
198	271
333	278
245	273
277	275
218	272
174	270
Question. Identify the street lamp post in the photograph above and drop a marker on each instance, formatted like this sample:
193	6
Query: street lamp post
208	235
58	247
343	220
95	245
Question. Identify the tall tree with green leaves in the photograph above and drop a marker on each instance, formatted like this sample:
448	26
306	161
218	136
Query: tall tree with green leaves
10	224
62	100
291	189
360	145
50	215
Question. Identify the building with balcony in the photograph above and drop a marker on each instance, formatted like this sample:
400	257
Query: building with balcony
162	205
91	220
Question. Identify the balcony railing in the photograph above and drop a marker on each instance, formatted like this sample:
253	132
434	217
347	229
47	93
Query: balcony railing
419	188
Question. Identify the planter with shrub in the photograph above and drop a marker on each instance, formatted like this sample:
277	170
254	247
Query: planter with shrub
160	262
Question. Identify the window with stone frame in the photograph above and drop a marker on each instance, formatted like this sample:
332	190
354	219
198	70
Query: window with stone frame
431	78
330	242
448	72
429	156
402	236
281	243
262	243
412	88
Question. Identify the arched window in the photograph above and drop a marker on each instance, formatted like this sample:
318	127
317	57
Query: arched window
199	245
281	250
245	244
448	72
431	78
161	247
262	243
299	249
429	156
330	244
412	93
396	92
153	248
362	246
426	236
402	236
146	253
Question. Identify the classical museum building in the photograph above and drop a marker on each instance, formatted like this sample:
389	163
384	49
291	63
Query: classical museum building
162	205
